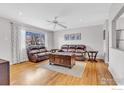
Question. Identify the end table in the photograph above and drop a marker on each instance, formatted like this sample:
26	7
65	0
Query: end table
92	55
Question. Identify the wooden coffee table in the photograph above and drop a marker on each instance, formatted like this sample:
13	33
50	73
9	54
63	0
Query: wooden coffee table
62	59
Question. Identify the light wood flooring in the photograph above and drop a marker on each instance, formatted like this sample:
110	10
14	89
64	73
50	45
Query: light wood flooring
28	73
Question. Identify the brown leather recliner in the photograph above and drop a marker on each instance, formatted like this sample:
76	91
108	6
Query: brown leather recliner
37	53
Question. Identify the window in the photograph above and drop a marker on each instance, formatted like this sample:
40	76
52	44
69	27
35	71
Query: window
120	33
33	38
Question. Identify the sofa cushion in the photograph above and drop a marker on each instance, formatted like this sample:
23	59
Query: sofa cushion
43	50
72	46
71	50
79	50
41	54
34	51
78	54
64	47
47	53
83	47
64	50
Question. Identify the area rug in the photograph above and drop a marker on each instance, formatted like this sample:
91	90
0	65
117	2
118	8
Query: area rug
77	70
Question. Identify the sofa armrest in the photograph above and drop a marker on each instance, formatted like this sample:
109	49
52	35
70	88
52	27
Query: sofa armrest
47	51
60	50
33	57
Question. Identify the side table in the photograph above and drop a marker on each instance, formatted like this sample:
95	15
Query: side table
92	55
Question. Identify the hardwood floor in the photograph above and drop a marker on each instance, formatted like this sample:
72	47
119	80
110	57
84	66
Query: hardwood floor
28	73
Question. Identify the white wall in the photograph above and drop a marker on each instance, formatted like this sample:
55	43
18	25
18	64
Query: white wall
116	57
5	40
120	23
116	65
91	36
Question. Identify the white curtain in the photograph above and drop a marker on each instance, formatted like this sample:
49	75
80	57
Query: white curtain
23	51
17	52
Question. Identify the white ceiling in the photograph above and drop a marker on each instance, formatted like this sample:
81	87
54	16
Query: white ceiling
73	15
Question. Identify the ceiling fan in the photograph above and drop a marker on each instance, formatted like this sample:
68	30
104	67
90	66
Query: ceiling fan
55	22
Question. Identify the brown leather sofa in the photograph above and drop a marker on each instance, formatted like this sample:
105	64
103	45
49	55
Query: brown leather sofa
37	53
78	50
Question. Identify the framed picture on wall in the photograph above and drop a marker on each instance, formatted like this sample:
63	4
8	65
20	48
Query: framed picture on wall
78	36
33	38
66	36
74	36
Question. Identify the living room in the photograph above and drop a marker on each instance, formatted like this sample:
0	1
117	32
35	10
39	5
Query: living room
66	47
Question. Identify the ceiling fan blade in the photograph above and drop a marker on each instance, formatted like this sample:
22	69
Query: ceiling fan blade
49	21
62	25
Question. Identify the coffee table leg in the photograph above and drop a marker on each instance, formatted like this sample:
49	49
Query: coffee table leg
50	63
88	56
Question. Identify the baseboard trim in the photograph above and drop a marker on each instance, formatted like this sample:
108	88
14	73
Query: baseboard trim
115	76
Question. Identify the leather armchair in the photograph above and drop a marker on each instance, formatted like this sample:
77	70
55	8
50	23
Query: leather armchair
37	53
